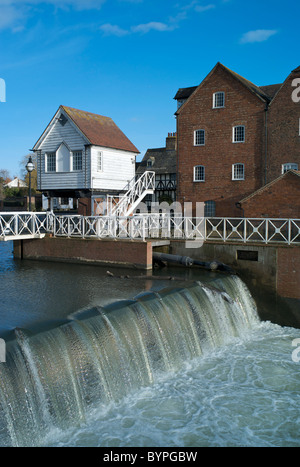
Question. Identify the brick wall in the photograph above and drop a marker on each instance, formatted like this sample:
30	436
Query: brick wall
283	129
219	153
279	199
125	253
288	273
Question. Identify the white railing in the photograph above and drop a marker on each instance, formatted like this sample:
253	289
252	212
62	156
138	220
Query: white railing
159	226
164	226
25	224
137	189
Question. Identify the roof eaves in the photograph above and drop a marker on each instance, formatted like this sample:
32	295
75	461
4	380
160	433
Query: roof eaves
253	88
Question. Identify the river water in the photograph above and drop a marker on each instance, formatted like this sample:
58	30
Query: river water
219	377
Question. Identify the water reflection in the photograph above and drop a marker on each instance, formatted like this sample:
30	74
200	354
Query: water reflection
34	292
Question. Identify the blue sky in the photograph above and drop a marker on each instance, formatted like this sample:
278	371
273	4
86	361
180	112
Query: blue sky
126	59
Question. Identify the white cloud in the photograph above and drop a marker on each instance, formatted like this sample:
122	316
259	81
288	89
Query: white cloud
9	16
202	8
113	30
259	35
152	26
13	13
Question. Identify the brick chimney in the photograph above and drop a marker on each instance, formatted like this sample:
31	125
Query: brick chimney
171	141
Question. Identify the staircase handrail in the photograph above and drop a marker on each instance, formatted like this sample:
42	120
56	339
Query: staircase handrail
143	184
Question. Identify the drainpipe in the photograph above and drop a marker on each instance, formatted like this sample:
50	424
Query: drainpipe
239	206
266	141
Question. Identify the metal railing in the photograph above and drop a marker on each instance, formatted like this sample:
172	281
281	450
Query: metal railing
165	226
159	226
25	224
136	191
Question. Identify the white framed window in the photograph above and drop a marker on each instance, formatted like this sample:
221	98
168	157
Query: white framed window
199	137
149	163
218	100
288	166
77	161
199	173
99	161
238	172
238	134
51	162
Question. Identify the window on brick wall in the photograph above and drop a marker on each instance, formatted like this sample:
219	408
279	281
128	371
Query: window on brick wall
218	100
199	173
289	166
210	208
238	172
199	137
238	134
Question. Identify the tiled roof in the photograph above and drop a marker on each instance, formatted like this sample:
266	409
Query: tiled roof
184	93
164	161
265	187
271	89
264	92
99	130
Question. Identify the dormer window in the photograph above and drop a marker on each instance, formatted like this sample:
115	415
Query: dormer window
218	100
149	163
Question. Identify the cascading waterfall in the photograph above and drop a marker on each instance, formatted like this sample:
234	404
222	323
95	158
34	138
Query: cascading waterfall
52	379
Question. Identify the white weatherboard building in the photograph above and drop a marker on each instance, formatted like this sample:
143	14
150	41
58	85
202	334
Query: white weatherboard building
16	183
84	157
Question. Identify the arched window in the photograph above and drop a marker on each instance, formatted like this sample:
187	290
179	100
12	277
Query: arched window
63	158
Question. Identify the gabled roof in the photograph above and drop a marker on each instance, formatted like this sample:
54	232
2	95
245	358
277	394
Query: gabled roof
97	130
265	93
265	187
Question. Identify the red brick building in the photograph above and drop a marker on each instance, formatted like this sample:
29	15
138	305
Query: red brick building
233	137
279	198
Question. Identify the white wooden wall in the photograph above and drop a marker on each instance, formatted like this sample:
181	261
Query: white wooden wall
65	179
118	167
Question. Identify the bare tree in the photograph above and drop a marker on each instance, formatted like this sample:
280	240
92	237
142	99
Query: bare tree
24	172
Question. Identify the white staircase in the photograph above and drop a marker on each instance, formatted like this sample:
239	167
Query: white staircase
137	189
